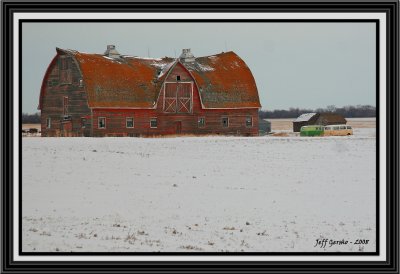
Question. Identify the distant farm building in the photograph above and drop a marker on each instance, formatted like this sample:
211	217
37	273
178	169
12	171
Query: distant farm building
119	95
317	119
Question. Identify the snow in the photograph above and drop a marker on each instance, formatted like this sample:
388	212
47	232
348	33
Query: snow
157	62
205	67
304	117
145	58
159	65
165	69
214	194
71	51
112	59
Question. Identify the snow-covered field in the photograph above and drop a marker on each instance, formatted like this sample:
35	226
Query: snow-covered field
261	194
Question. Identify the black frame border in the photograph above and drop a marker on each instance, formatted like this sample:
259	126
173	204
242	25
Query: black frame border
391	265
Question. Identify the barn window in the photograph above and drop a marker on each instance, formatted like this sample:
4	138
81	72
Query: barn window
129	122
80	83
102	122
48	123
83	122
178	78
201	122
225	122
249	121
153	122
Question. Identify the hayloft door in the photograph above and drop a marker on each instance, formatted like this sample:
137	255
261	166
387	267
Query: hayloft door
178	97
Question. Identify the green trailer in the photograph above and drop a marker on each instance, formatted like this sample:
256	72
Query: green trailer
315	130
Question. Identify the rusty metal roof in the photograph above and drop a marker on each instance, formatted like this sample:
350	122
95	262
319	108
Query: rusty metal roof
223	80
332	118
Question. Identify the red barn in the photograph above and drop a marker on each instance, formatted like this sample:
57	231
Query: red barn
119	95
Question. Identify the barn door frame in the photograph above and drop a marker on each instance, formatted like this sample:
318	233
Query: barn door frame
175	101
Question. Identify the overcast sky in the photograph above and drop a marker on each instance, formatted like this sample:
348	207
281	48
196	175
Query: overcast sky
306	65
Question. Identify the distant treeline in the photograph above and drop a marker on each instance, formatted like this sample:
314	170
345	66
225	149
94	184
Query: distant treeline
31	118
347	111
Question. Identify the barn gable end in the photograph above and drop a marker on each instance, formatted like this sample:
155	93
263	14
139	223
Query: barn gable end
63	99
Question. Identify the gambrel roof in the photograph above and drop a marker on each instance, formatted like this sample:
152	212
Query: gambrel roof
224	80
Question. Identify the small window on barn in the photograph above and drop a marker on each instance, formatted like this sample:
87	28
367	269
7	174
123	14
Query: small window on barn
129	122
153	122
102	122
178	78
83	122
225	122
201	122
249	121
48	123
80	82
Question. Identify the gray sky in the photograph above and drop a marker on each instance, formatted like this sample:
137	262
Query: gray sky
306	65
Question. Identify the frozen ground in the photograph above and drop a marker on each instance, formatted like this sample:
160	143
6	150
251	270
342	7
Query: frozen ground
262	194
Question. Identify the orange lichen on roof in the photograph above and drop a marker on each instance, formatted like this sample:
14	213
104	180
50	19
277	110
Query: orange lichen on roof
224	81
120	82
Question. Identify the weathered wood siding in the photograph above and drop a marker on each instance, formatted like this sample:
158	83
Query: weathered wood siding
175	123
168	124
60	83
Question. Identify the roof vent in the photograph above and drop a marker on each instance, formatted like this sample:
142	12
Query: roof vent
111	52
186	56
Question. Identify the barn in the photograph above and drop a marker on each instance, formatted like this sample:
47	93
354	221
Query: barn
318	119
111	94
